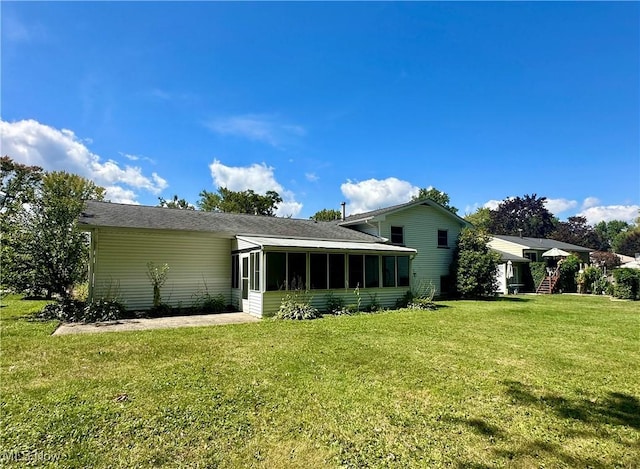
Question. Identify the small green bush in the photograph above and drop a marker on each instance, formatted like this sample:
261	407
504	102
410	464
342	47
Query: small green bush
69	310
568	273
627	284
422	296
423	304
602	286
335	304
80	291
623	291
296	306
538	272
205	302
214	303
103	310
588	278
404	301
374	304
161	310
208	303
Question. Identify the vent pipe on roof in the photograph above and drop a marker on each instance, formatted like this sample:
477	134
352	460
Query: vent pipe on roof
344	210
520	232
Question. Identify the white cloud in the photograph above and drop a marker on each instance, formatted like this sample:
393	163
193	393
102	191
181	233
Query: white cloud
120	195
627	213
289	208
33	143
257	177
590	202
557	206
492	204
373	193
312	177
258	127
132	157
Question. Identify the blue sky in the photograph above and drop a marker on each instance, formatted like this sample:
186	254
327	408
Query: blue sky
325	102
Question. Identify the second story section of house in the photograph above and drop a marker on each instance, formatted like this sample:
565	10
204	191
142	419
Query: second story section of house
423	225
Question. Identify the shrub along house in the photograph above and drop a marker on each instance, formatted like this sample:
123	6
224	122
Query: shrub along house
253	261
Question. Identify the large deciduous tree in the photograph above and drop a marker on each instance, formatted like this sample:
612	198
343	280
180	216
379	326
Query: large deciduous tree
605	259
49	252
611	233
437	196
18	183
576	231
526	215
629	243
481	218
240	202
474	265
327	214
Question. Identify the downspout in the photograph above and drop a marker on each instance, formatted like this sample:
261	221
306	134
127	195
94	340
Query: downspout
92	262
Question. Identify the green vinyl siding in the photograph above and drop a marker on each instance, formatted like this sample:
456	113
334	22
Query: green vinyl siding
421	224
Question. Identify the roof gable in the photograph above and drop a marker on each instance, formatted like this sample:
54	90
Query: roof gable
373	214
106	214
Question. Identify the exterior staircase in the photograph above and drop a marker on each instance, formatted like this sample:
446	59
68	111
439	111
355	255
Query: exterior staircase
548	284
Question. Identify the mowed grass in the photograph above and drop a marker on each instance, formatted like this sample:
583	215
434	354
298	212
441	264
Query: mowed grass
522	382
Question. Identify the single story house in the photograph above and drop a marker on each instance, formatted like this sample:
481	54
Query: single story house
518	251
253	261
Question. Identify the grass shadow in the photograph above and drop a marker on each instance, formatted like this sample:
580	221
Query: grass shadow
490	299
512	299
613	409
538	448
480	427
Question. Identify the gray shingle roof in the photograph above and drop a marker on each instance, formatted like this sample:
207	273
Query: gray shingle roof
542	243
507	256
106	214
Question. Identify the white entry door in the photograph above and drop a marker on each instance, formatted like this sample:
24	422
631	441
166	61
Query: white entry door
244	282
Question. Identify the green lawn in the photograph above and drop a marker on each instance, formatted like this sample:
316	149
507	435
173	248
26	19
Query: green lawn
522	382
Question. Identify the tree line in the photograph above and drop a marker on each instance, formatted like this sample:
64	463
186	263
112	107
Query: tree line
517	216
529	217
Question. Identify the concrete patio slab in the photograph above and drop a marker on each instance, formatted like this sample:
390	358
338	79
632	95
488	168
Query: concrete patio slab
144	324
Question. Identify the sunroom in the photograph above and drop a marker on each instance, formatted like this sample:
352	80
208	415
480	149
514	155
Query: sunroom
265	269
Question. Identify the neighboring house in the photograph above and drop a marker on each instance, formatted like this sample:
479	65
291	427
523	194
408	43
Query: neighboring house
520	250
624	259
254	260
